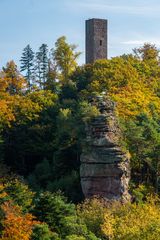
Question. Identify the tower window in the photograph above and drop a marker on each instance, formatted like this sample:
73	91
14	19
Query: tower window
100	42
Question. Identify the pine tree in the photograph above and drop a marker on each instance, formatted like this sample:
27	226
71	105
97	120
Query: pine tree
42	64
27	63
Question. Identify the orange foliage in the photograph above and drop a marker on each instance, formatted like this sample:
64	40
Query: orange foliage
6	113
17	226
11	80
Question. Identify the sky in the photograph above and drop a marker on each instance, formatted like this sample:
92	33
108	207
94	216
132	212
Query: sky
131	23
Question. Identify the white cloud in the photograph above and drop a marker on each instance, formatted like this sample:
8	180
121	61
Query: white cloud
141	42
137	9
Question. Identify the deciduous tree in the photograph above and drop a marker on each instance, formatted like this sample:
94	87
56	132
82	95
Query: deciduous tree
65	58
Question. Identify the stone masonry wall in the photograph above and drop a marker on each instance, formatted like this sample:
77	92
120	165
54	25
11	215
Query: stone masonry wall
96	39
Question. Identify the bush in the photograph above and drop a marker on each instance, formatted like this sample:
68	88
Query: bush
75	237
74	225
52	208
133	221
91	211
19	193
42	232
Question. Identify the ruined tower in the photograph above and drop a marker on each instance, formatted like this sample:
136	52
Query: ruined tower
96	39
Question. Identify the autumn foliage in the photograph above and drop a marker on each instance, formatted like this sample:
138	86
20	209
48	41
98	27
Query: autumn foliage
16	224
43	117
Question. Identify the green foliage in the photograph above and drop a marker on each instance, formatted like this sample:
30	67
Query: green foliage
69	184
74	225
34	116
27	63
52	208
20	194
75	237
141	192
45	177
65	58
42	64
43	130
143	139
41	175
68	91
42	232
87	111
91	211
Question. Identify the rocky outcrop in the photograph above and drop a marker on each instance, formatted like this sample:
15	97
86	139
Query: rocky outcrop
104	167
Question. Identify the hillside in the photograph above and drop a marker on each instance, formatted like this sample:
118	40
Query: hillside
42	132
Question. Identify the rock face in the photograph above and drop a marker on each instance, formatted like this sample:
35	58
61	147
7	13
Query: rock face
104	167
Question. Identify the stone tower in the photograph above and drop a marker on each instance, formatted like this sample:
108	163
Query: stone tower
96	39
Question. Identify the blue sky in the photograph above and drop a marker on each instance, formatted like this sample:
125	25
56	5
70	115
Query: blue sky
22	22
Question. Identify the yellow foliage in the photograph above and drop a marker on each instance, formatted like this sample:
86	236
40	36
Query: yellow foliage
6	114
21	108
132	221
134	98
131	83
3	194
91	211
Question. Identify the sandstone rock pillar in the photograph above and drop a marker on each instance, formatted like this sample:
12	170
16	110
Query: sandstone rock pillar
104	167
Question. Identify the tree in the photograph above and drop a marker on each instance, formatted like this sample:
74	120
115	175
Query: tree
34	121
42	232
42	64
16	224
75	237
52	82
65	58
52	208
142	136
27	63
91	212
132	221
20	194
12	79
147	52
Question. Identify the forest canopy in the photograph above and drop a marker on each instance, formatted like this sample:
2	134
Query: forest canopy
43	111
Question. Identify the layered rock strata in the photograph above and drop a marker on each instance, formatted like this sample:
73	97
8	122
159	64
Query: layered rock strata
104	167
